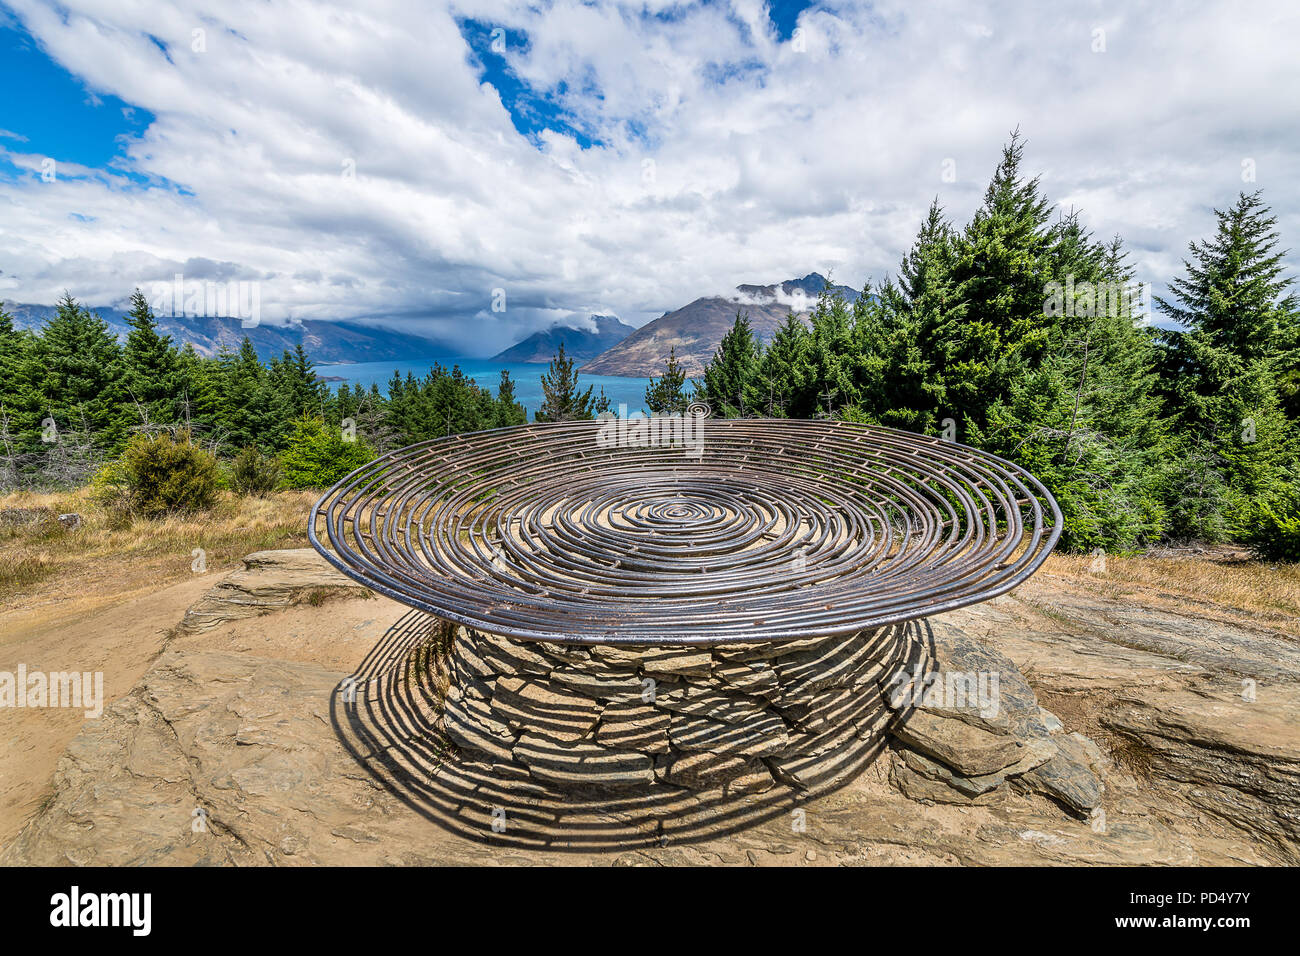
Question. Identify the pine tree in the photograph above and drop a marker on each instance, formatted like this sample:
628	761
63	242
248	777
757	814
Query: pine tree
995	330
903	380
398	415
561	399
14	396
731	384
1237	321
829	360
964	324
151	366
75	371
1086	421
304	390
507	412
13	346
8	334
1225	373
246	407
782	391
293	391
197	406
666	395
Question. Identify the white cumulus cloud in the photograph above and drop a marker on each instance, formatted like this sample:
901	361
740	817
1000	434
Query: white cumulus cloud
355	163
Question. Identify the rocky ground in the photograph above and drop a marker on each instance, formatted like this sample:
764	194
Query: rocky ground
292	719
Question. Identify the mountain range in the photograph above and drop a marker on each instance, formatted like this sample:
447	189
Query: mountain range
325	341
580	344
695	330
612	348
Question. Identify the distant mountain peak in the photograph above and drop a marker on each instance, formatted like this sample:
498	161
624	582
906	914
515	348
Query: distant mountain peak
695	329
795	293
579	343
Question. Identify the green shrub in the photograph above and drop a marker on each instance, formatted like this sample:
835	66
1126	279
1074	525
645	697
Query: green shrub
109	489
317	455
1275	533
253	473
159	475
853	413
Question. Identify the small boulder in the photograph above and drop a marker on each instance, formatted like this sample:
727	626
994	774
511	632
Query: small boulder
1069	776
964	747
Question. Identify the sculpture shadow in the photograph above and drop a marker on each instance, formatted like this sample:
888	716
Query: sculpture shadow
387	714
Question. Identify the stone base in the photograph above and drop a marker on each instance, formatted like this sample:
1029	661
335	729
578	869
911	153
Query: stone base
737	717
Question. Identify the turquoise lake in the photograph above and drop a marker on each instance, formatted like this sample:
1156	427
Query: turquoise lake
527	379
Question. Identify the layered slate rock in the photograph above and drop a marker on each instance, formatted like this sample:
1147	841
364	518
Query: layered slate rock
1068	776
737	718
970	730
967	749
1236	755
544	707
581	762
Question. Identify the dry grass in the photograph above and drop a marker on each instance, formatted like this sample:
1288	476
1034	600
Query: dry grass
318	596
42	561
1080	711
1222	585
1130	754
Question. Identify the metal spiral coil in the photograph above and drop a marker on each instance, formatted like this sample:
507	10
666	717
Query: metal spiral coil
699	532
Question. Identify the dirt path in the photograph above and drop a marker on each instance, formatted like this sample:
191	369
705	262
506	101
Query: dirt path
115	634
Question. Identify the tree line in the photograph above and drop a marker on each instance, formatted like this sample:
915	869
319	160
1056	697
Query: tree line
1016	333
72	398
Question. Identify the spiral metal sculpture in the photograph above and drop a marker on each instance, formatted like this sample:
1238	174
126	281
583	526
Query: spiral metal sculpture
705	532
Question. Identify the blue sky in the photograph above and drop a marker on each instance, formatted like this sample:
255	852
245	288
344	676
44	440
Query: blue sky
784	15
54	112
480	169
534	110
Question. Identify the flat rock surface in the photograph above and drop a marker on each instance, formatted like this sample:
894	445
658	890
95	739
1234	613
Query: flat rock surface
1238	759
246	744
269	580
